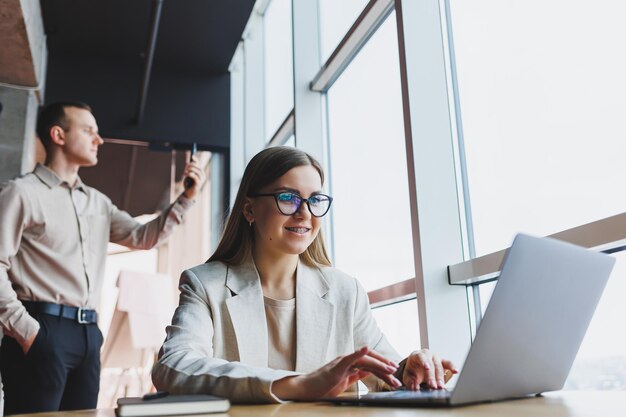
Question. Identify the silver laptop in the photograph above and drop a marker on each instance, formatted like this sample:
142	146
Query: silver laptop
531	331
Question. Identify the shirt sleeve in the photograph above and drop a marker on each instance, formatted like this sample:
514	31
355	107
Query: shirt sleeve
187	364
128	232
15	320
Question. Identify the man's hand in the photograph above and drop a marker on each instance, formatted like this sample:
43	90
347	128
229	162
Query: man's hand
333	378
28	343
193	171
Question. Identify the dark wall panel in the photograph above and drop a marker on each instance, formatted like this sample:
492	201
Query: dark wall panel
180	109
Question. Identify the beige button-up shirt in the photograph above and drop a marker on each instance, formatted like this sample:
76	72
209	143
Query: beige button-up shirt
53	243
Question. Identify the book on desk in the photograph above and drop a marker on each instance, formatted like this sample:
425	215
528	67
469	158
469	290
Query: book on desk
170	405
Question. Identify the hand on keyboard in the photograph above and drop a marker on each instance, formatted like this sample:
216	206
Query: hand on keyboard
422	367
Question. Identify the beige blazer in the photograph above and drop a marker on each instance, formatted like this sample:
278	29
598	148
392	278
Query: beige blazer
218	344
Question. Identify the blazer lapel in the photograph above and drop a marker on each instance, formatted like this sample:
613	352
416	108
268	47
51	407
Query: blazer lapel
314	319
247	314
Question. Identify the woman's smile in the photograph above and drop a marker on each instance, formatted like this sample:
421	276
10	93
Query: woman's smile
299	230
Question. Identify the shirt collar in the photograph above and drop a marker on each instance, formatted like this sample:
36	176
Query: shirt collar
48	177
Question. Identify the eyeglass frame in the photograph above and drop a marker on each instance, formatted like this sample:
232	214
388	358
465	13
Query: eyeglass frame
302	201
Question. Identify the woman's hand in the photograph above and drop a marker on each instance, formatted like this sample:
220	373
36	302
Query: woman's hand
424	367
333	378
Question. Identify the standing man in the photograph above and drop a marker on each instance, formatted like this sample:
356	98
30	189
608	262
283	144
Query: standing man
54	231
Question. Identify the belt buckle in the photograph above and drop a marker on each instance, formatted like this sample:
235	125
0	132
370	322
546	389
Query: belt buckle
80	316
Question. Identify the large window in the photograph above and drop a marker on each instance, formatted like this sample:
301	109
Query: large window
541	103
402	334
601	360
278	60
372	223
336	17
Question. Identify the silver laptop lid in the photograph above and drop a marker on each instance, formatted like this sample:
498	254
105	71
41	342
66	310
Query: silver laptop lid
535	322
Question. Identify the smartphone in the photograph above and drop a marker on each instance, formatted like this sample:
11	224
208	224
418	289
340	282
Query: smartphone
188	181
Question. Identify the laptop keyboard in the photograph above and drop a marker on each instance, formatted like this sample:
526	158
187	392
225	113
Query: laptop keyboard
407	394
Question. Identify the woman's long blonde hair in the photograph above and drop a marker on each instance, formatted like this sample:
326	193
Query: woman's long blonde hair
267	166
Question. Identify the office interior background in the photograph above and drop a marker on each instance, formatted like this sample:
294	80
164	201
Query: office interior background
445	127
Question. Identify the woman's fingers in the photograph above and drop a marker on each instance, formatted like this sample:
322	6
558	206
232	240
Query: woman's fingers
333	378
450	366
344	371
423	367
371	362
420	369
347	361
439	373
374	364
391	380
382	370
384	374
381	358
449	370
357	376
425	361
413	376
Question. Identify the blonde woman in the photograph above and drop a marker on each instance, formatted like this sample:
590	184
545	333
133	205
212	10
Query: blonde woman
267	318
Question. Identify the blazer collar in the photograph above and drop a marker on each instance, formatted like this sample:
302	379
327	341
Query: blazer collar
243	278
314	316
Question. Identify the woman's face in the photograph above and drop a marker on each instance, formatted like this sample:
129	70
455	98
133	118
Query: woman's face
275	233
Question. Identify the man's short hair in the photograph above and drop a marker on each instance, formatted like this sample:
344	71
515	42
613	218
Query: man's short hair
54	115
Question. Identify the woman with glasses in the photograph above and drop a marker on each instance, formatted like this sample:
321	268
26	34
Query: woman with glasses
267	318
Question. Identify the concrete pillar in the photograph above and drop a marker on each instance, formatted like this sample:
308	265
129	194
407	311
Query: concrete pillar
18	143
22	73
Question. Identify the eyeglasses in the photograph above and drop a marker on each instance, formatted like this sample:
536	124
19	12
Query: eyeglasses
289	203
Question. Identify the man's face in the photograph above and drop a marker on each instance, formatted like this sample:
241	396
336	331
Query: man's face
81	137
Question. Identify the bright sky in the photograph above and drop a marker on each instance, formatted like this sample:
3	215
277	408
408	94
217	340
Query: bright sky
543	96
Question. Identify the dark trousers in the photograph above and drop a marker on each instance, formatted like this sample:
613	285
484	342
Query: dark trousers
61	371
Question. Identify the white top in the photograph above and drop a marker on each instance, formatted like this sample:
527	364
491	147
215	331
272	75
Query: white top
281	333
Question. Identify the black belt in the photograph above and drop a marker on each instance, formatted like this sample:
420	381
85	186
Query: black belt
81	315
